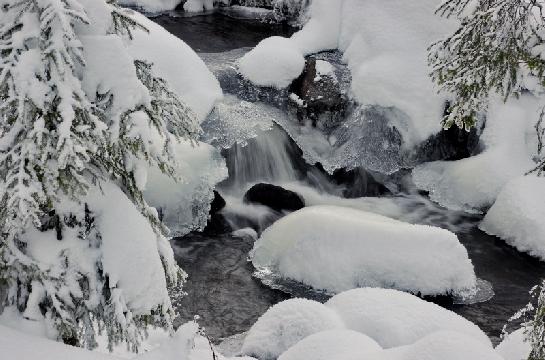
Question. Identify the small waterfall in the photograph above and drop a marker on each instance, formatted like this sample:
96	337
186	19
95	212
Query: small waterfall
270	157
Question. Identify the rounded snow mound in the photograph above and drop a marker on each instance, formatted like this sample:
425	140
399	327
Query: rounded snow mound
444	345
337	249
367	323
332	344
285	324
394	318
274	62
517	215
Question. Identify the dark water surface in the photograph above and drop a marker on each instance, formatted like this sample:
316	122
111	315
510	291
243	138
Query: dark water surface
217	32
220	286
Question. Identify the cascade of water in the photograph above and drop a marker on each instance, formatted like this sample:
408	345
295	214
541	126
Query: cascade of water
270	157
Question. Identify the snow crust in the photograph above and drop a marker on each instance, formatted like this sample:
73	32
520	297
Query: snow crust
472	184
517	215
336	249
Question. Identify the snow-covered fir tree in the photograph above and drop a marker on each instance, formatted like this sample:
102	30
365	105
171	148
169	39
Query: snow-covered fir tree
81	121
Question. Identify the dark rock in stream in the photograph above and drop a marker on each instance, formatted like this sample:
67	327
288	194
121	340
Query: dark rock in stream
217	204
451	144
274	197
324	102
359	183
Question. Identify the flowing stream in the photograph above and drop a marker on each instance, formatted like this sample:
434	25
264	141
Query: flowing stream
221	289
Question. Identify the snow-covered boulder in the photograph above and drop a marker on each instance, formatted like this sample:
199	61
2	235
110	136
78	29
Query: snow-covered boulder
473	184
285	324
274	62
333	344
518	215
277	61
514	346
178	64
336	249
394	318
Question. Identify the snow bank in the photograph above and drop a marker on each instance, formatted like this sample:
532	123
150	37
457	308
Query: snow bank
285	324
514	347
20	346
186	344
394	318
332	344
336	249
185	204
178	64
517	215
473	184
151	6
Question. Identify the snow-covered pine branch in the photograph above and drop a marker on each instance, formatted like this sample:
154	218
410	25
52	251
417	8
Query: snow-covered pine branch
81	122
498	49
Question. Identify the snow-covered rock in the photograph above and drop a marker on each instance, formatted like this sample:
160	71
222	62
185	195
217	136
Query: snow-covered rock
514	346
277	61
394	318
274	62
178	64
517	215
333	344
473	184
336	249
285	324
